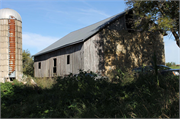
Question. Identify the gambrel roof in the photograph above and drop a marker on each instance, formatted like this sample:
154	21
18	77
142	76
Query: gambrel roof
80	35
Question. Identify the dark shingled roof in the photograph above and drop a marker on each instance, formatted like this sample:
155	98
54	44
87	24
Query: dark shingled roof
79	35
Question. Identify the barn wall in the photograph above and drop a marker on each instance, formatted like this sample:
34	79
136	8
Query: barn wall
47	62
126	50
93	54
111	48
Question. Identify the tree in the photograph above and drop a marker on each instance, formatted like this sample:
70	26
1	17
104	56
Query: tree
169	64
28	63
162	15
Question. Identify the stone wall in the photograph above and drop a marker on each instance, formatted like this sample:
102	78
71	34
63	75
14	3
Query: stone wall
126	50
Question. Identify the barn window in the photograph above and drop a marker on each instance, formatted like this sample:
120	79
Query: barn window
39	65
54	70
55	64
68	59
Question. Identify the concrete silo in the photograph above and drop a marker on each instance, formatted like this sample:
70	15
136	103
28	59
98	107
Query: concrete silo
10	45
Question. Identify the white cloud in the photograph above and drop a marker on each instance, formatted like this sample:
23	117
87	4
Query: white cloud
172	51
36	42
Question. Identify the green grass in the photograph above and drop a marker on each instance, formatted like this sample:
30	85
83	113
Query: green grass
82	97
175	67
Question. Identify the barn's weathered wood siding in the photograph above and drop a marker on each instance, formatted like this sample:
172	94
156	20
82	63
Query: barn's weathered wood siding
47	61
91	54
94	47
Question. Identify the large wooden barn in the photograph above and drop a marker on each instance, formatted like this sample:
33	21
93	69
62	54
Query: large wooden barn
100	47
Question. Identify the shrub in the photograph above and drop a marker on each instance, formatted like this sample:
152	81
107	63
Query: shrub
83	96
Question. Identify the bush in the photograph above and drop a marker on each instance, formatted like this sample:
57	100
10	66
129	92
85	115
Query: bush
82	97
154	99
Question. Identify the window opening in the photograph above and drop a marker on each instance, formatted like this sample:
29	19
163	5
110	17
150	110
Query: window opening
54	70
55	64
39	65
68	59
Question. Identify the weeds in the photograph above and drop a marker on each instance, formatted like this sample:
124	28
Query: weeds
82	97
45	82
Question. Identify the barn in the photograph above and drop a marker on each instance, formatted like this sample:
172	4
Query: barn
101	48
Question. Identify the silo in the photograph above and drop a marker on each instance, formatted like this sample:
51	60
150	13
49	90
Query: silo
10	45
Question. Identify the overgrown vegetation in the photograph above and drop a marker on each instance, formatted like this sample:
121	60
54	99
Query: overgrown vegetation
82	96
28	63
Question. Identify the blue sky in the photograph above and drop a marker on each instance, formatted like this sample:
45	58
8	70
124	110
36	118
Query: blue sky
46	21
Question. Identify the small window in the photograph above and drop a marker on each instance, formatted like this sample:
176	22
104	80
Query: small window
68	59
55	62
54	70
39	65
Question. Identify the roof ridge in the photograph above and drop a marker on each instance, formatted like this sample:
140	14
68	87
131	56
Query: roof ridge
98	21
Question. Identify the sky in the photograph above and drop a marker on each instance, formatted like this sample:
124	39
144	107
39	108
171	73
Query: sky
46	21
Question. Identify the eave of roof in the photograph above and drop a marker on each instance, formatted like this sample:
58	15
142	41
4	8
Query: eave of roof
80	35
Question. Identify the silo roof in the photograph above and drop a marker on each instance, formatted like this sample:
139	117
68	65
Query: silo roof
7	12
79	35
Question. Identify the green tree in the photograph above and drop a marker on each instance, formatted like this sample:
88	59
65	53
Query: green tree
162	15
28	62
169	64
